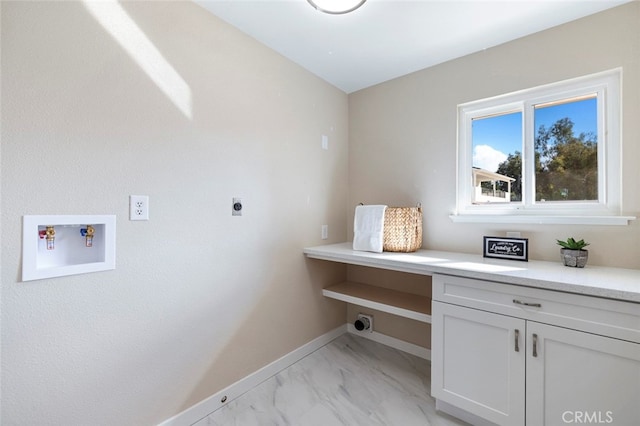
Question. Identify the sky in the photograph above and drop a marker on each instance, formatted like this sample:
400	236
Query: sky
496	137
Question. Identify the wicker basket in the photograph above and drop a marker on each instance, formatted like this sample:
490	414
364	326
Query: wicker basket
402	229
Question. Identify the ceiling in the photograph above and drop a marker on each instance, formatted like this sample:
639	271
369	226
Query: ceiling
385	39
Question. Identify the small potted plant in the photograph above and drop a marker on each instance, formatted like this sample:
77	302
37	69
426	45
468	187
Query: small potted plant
573	252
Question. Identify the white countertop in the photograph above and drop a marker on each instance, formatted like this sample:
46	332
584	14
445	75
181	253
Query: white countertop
598	281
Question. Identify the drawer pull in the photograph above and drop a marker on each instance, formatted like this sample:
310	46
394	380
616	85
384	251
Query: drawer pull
533	305
517	338
535	345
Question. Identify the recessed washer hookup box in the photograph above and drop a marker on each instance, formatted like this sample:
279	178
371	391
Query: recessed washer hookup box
59	245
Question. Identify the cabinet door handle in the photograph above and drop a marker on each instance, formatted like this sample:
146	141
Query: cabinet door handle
533	305
535	345
517	338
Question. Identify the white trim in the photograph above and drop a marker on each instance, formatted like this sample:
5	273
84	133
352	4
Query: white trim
398	344
207	406
461	414
541	219
202	409
607	86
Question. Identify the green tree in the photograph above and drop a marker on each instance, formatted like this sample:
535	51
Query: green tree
512	167
566	165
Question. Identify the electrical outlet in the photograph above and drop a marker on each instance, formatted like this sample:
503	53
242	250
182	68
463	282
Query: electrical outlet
364	323
138	207
325	142
325	232
236	207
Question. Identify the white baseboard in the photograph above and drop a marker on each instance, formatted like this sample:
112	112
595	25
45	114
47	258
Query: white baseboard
461	414
401	345
205	407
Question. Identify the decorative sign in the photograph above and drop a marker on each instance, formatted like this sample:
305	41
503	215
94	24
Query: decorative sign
506	248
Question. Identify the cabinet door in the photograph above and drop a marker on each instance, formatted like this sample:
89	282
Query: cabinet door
476	364
577	377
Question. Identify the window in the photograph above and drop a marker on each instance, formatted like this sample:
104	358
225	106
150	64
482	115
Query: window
550	154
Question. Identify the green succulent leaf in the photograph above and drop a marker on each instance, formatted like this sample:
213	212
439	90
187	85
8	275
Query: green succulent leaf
572	244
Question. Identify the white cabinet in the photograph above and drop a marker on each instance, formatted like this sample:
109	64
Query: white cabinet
479	362
578	377
501	351
486	314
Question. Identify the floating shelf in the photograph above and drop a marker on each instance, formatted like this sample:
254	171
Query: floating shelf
382	299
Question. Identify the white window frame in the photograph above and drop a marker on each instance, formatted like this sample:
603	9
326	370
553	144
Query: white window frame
606	210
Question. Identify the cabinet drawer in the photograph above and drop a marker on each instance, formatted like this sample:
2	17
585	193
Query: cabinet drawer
606	317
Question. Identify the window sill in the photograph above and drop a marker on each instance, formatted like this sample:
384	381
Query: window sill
542	220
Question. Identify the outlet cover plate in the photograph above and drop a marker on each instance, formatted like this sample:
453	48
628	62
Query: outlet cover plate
138	207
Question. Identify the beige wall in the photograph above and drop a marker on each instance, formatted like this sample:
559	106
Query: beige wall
402	134
198	299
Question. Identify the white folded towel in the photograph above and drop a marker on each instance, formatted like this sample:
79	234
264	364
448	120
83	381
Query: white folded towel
368	228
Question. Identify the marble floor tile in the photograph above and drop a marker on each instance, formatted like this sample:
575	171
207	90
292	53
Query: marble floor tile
351	381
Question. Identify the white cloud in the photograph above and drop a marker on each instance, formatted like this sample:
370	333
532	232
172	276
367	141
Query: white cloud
487	157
